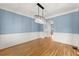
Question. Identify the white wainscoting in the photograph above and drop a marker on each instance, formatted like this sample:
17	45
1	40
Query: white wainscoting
7	40
67	38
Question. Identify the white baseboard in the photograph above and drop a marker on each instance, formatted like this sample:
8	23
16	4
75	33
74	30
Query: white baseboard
8	40
67	38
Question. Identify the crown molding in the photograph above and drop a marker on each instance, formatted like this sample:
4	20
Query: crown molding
17	12
60	14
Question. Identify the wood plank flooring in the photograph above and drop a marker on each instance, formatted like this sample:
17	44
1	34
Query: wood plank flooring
40	47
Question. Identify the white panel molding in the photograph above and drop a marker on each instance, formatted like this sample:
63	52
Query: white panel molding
7	40
67	38
64	13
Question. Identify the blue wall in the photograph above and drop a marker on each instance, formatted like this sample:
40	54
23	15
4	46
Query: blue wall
68	23
14	23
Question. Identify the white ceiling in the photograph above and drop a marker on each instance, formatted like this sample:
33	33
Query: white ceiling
30	9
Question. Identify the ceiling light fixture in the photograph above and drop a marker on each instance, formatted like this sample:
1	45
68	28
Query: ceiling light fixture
38	18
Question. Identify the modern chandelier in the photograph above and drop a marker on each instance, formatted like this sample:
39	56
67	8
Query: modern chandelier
40	18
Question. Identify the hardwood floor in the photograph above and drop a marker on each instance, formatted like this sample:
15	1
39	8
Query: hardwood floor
40	47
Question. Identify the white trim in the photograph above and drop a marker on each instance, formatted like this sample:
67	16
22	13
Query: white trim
7	40
60	14
16	12
67	38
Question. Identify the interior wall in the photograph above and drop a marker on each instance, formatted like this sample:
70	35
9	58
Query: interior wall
16	29
67	23
8	40
66	28
14	23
